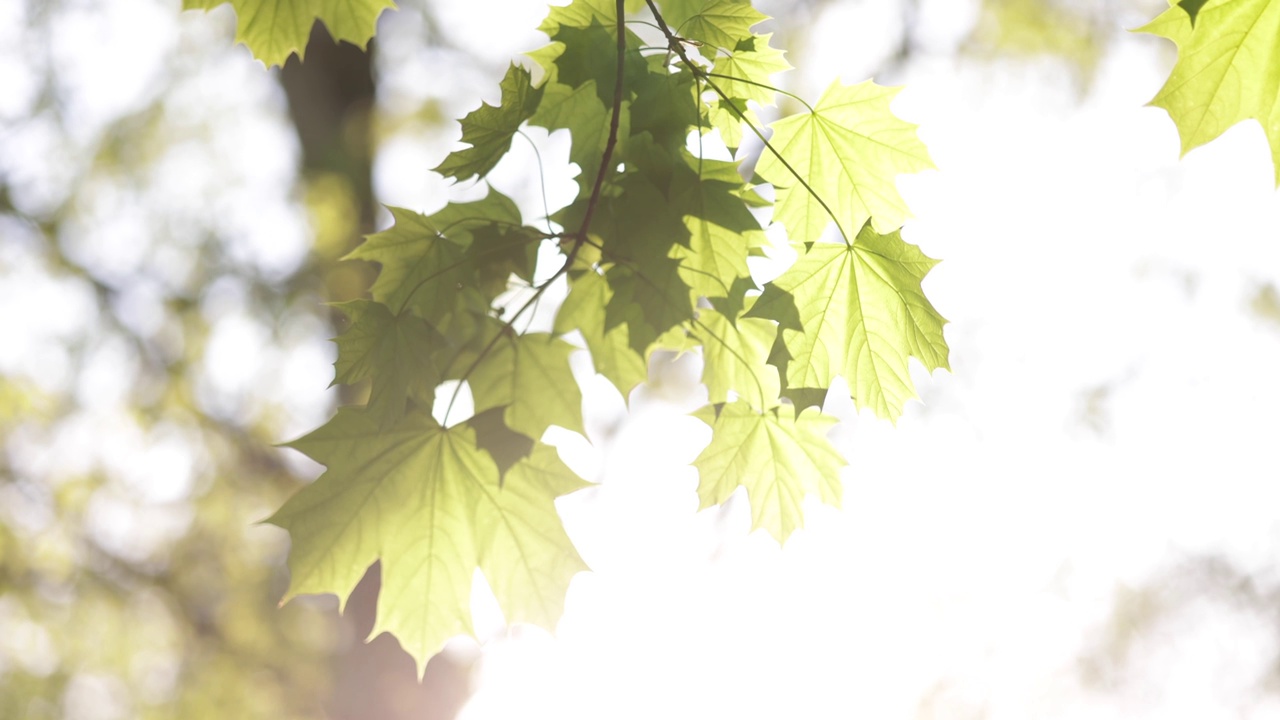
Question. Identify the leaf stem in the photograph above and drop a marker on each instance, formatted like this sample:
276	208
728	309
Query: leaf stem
762	85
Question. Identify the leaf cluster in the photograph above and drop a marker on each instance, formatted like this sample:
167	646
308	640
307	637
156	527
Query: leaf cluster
655	252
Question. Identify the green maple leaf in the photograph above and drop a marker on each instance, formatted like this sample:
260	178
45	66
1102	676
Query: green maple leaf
489	129
611	352
857	311
663	107
427	261
530	375
729	117
1226	70
651	299
580	14
275	29
778	457
709	194
748	71
718	23
580	111
849	150
427	503
394	351
736	359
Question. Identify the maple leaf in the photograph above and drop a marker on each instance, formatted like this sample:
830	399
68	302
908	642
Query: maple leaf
777	456
748	71
427	261
275	29
580	111
426	501
530	375
849	150
1226	70
489	129
394	351
721	228
857	311
611	352
735	359
719	23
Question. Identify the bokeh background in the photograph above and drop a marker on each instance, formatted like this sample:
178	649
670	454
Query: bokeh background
1080	521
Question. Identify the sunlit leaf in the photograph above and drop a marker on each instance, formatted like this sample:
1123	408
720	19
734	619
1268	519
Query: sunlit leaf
1226	70
427	503
849	151
859	312
530	375
778	457
275	29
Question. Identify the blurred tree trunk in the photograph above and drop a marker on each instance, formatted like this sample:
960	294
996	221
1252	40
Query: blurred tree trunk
331	102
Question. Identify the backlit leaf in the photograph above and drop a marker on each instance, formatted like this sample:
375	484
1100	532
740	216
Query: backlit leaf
778	457
1226	70
849	150
857	312
275	29
427	503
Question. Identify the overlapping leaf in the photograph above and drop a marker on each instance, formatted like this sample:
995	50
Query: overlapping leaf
529	374
426	261
736	359
1227	70
748	71
275	29
426	501
717	23
611	350
857	311
849	151
393	351
778	457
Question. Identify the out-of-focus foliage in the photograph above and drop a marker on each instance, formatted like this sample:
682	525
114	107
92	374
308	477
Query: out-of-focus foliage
1077	32
148	235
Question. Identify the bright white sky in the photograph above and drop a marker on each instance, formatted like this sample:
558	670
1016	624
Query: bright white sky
984	537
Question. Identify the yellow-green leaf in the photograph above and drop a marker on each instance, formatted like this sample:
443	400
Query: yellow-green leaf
611	351
1228	69
393	351
427	503
735	359
530	375
857	311
275	29
748	71
849	151
778	457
